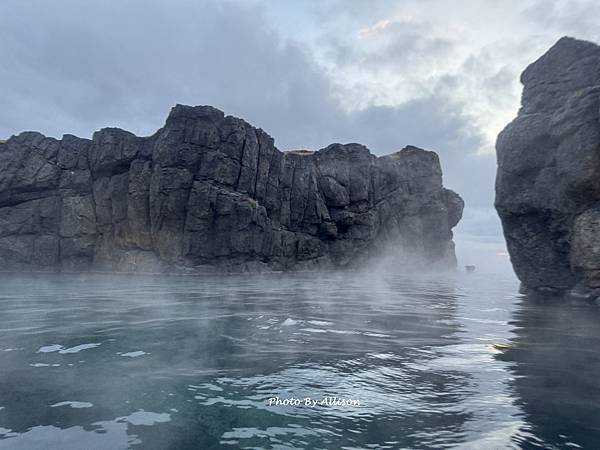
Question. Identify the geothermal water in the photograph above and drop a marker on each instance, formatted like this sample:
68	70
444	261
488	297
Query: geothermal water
328	361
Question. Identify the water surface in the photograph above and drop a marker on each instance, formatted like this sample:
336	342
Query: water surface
117	362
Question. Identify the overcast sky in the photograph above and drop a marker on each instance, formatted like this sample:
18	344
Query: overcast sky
437	74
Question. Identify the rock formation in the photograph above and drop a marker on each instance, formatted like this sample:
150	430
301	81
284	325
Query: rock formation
210	192
548	180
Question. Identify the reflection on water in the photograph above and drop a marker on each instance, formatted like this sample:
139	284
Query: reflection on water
119	362
556	363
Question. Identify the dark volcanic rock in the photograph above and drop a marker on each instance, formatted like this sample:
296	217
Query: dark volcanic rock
209	191
548	181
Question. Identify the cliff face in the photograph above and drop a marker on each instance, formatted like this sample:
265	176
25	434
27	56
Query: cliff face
548	180
209	191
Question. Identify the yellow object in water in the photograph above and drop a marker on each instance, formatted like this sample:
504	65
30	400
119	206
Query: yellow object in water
500	346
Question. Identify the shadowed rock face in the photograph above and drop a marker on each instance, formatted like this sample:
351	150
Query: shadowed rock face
209	191
548	180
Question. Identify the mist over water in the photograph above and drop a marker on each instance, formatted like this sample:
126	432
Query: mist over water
107	361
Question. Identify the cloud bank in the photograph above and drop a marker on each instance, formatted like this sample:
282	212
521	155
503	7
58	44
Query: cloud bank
382	73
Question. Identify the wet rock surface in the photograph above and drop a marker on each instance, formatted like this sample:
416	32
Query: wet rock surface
548	180
210	192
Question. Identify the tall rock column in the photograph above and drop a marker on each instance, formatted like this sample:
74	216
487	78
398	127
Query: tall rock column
548	179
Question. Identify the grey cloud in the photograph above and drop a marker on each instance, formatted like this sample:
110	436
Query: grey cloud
347	12
74	67
398	45
405	50
576	17
85	65
499	81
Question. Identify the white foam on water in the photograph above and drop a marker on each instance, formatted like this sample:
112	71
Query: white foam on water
60	349
146	418
313	330
210	387
134	354
377	335
76	405
289	322
114	436
79	348
50	348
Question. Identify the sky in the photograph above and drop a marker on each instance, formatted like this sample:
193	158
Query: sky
436	74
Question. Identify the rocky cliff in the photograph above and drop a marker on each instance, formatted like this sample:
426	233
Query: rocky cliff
548	180
210	192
